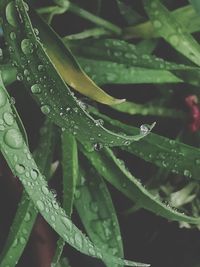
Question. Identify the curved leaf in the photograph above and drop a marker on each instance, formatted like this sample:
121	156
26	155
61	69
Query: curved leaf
26	214
19	159
166	153
70	177
114	171
66	64
172	31
95	208
47	87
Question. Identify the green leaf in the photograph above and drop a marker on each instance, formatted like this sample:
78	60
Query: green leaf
70	177
186	16
40	77
66	64
136	68
166	153
149	109
9	73
26	214
95	208
172	31
22	164
115	172
196	5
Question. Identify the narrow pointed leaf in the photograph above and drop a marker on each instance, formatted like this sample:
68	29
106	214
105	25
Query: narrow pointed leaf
26	213
172	31
47	87
70	177
114	171
95	208
175	156
21	162
66	64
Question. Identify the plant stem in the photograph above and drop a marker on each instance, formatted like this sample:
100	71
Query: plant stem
95	19
94	32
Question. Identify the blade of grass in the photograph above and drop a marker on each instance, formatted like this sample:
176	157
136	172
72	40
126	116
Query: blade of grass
40	77
12	143
172	31
70	176
186	16
166	153
115	172
97	213
26	214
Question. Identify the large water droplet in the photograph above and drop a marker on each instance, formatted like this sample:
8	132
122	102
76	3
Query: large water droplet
36	89
40	205
97	146
144	129
45	190
8	118
45	109
34	174
67	222
187	173
19	168
13	138
12	36
26	46
78	240
3	98
27	217
11	14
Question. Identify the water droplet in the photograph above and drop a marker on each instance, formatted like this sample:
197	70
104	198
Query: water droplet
144	129
12	36
45	109
40	205
67	222
34	174
20	77
8	118
45	190
19	168
15	243
3	98
13	138
11	14
26	46
174	40
40	67
187	173
197	161
22	240
157	24
97	146
94	207
27	217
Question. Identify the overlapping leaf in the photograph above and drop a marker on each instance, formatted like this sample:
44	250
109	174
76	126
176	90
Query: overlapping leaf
22	164
95	208
26	213
37	72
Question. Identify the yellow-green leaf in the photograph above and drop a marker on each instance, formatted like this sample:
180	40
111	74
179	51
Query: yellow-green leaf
67	66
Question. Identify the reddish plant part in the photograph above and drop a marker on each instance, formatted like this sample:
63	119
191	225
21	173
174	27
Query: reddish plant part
192	103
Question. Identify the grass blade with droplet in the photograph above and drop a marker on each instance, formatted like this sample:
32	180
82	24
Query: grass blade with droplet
175	156
26	213
95	208
70	177
47	87
15	151
172	31
114	171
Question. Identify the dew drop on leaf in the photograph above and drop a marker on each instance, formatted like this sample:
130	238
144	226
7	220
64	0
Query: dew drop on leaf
19	168
67	223
40	205
26	46
13	138
11	14
144	129
34	174
12	36
45	109
97	146
8	118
